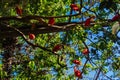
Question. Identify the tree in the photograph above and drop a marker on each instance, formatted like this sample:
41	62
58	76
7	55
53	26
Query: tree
38	40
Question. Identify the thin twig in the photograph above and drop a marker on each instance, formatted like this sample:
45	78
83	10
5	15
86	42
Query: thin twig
92	12
69	20
87	48
84	66
81	5
96	78
106	76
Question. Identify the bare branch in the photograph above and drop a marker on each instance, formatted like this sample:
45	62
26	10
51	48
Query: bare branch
81	5
84	66
106	76
96	78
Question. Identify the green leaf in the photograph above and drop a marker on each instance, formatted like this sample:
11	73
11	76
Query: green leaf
31	65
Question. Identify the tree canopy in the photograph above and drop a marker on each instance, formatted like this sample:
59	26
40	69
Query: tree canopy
59	39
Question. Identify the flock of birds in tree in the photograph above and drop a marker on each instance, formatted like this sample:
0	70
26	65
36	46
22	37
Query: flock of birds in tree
87	23
75	7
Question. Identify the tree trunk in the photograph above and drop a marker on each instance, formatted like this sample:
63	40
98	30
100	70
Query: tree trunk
8	45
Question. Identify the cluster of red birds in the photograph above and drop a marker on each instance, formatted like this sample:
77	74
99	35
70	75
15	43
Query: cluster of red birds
58	46
78	73
74	7
51	21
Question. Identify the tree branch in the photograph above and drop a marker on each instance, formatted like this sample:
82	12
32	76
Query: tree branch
29	17
40	28
24	37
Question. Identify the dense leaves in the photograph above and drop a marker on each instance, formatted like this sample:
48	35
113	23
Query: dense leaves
108	4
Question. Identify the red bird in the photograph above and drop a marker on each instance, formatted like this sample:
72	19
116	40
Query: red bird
51	21
116	17
78	73
18	10
88	21
31	36
57	48
76	62
85	51
74	7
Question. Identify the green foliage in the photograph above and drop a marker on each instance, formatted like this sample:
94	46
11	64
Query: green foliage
108	4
